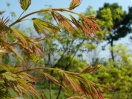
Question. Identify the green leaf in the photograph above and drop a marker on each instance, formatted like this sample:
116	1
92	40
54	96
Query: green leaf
25	4
9	76
34	57
20	37
74	4
40	26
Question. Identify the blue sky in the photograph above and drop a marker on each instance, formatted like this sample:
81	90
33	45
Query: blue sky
39	4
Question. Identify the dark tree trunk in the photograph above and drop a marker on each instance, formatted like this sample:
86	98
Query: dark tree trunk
112	53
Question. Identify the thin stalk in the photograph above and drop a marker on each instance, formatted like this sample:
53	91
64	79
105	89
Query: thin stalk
67	67
32	69
60	89
52	71
45	68
50	90
21	14
45	10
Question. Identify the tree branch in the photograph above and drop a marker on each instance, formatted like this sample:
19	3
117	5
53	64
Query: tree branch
45	10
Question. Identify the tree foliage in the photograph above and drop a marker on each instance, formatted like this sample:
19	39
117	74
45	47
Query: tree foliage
115	22
24	48
115	75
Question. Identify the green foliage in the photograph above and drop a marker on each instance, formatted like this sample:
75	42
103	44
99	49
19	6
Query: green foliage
115	75
106	15
8	4
90	11
29	54
122	55
25	4
74	4
114	21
